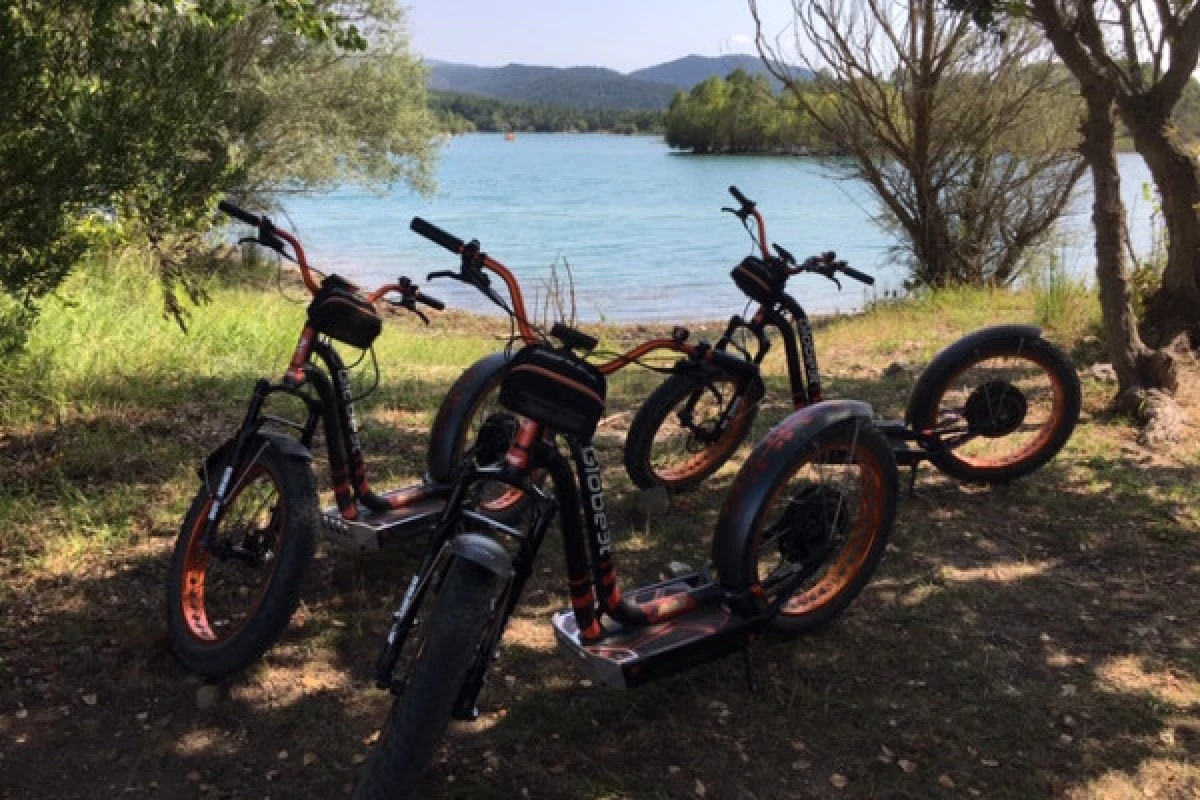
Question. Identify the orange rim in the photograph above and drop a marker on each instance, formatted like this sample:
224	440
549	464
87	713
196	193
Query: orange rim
709	457
196	597
852	557
1045	432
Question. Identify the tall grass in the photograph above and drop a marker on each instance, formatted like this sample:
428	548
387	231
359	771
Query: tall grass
104	342
1061	301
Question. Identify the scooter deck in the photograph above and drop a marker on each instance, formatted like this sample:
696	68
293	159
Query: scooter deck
904	447
373	530
627	658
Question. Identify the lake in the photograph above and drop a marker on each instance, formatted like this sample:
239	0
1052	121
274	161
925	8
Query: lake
640	226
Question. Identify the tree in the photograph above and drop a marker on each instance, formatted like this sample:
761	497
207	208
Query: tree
135	116
964	138
1144	95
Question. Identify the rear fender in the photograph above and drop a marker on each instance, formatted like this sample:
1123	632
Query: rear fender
748	498
454	415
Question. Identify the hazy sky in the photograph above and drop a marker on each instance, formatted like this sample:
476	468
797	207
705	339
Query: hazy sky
622	34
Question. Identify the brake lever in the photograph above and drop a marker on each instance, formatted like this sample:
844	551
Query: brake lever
443	274
409	304
787	257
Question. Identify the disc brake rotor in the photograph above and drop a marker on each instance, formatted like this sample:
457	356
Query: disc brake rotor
997	408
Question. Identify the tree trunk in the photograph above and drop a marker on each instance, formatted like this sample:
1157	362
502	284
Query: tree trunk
1175	307
1137	367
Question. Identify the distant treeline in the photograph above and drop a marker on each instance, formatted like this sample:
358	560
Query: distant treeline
464	113
741	114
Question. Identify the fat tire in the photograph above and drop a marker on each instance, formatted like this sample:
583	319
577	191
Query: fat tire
867	438
418	718
639	442
930	387
297	487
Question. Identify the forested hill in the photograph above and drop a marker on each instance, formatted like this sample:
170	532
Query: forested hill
573	87
684	73
648	89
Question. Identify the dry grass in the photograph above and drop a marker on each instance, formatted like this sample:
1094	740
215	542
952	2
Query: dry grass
1034	640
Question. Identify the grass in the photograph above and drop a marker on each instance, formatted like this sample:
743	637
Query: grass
1032	640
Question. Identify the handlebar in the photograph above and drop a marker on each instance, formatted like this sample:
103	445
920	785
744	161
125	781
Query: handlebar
741	198
436	235
853	273
432	302
270	236
240	213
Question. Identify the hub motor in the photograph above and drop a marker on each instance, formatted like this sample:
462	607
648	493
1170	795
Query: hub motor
812	520
995	409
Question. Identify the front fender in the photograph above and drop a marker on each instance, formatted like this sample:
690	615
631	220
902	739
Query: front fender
750	495
484	551
450	426
289	446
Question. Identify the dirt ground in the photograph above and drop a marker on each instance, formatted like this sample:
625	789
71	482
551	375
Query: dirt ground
1031	640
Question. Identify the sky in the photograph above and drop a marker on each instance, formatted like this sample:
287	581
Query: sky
621	34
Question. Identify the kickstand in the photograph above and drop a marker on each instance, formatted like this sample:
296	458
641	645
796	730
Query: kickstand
912	480
751	680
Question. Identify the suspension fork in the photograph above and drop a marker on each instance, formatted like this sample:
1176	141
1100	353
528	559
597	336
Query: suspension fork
729	411
250	425
404	617
546	511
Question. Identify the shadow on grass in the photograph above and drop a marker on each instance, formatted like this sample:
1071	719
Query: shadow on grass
1022	641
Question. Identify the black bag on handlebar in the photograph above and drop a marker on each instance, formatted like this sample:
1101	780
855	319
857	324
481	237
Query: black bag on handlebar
340	312
760	280
555	388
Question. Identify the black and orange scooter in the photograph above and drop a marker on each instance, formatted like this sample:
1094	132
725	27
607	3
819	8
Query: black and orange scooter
248	538
994	406
799	535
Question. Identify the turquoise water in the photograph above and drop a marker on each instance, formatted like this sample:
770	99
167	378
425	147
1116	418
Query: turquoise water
640	226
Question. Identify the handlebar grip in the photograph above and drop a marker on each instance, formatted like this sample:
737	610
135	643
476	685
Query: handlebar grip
436	235
239	213
741	198
731	363
858	276
432	302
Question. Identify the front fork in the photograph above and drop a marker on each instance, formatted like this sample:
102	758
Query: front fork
252	422
728	412
250	425
432	566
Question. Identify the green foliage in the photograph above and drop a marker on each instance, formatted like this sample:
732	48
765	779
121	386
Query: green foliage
741	114
124	121
1061	301
573	87
462	113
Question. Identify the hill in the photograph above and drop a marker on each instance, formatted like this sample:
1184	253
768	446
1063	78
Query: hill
684	73
572	87
648	89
